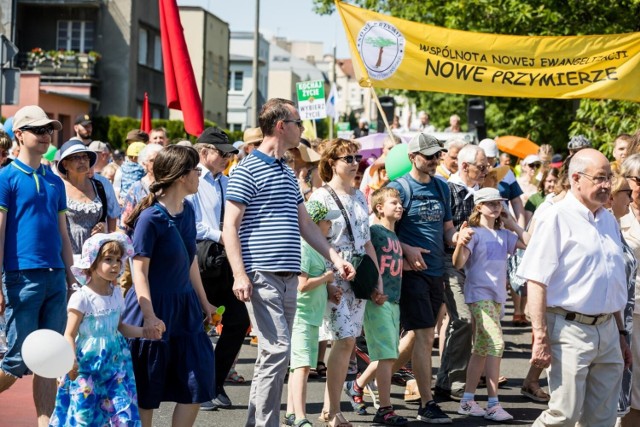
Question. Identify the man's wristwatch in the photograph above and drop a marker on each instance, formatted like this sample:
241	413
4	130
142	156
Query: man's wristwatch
623	332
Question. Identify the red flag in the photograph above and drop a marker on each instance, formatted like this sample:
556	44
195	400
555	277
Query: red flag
145	123
182	92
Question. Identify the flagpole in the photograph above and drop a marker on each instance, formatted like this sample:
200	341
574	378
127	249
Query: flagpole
381	112
315	131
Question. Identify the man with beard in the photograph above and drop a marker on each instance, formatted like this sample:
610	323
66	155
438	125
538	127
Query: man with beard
423	230
83	128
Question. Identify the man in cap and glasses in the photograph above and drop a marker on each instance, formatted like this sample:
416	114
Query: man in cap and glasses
35	251
83	128
215	152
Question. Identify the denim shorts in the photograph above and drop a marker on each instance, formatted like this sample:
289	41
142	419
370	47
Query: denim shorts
35	299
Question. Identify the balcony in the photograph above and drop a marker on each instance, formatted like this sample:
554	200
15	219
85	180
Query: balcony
61	64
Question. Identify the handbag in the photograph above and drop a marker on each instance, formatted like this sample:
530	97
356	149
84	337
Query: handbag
367	274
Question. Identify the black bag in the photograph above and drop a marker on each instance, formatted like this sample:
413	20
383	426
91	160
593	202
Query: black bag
212	258
367	274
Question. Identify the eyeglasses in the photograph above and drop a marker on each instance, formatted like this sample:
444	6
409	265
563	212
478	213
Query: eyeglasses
598	180
297	122
38	130
223	154
481	168
78	158
350	159
635	179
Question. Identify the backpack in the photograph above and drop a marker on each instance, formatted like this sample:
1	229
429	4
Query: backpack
408	199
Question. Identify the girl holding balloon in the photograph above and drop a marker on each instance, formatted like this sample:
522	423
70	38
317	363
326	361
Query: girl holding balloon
100	390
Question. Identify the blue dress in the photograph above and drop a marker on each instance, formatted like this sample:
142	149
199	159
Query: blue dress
104	393
180	366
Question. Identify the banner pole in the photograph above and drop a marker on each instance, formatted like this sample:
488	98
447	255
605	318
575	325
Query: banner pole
381	112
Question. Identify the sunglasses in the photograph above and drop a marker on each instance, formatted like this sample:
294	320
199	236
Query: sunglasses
351	159
481	168
38	130
535	165
430	157
297	122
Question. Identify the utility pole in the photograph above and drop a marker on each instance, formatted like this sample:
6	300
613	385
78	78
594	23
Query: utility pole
256	68
333	82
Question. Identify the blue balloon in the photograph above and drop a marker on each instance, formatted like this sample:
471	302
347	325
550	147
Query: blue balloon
8	127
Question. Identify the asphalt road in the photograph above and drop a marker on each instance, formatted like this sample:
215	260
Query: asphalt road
514	366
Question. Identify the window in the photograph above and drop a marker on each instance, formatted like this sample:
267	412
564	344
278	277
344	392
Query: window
157	52
237	80
221	72
75	35
143	42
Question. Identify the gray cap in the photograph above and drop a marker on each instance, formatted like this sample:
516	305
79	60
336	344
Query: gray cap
424	144
487	194
579	142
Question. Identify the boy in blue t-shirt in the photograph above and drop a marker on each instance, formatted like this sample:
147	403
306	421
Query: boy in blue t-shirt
313	291
382	321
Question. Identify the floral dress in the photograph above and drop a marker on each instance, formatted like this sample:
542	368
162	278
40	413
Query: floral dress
344	320
104	393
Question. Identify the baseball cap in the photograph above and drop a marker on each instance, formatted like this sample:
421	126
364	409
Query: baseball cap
424	144
487	194
531	158
578	142
318	212
489	146
137	135
32	115
217	138
99	146
83	119
71	147
135	148
252	136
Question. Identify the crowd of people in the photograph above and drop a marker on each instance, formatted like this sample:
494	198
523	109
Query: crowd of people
306	243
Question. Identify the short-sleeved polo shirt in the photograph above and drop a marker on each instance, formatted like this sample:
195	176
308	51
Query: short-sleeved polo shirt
32	200
269	231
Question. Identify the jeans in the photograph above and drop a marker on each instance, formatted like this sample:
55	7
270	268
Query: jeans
35	299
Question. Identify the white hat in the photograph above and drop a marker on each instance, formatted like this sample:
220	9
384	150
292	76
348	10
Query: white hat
487	194
489	146
531	158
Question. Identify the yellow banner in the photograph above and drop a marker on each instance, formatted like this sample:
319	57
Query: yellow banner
392	53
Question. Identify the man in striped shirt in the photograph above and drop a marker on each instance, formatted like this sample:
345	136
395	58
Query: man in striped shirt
264	220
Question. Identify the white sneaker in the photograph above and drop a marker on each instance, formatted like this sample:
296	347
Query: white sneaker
496	413
471	407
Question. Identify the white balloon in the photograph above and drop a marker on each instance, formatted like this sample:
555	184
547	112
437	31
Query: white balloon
47	353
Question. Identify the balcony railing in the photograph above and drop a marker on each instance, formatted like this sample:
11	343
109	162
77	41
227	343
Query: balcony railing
61	63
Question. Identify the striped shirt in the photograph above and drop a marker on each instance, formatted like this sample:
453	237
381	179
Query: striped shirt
269	231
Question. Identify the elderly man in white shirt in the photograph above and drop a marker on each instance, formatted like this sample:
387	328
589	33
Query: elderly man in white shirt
577	289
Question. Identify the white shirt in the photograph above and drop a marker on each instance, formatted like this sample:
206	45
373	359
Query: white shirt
207	203
578	256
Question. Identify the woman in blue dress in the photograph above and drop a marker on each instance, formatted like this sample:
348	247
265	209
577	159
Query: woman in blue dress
175	361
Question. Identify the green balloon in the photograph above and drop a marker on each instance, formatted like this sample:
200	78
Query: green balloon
397	162
51	153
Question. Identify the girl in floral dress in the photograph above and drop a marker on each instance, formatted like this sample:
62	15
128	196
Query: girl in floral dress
100	390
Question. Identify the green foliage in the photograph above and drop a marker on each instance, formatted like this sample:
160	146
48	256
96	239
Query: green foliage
543	120
603	120
114	129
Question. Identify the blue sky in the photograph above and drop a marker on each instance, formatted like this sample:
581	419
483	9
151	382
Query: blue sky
293	19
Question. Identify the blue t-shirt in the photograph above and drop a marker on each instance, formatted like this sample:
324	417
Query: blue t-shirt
170	243
423	225
32	199
269	231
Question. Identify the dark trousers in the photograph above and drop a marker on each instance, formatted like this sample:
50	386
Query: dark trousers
235	322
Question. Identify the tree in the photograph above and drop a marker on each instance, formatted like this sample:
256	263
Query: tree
544	120
381	43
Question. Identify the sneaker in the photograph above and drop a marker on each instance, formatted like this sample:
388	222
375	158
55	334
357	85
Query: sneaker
471	407
221	401
389	418
254	342
496	413
208	406
355	398
372	391
432	414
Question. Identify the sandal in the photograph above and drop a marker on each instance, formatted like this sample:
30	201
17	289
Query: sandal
537	395
502	380
234	377
339	421
302	422
289	419
355	397
324	416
